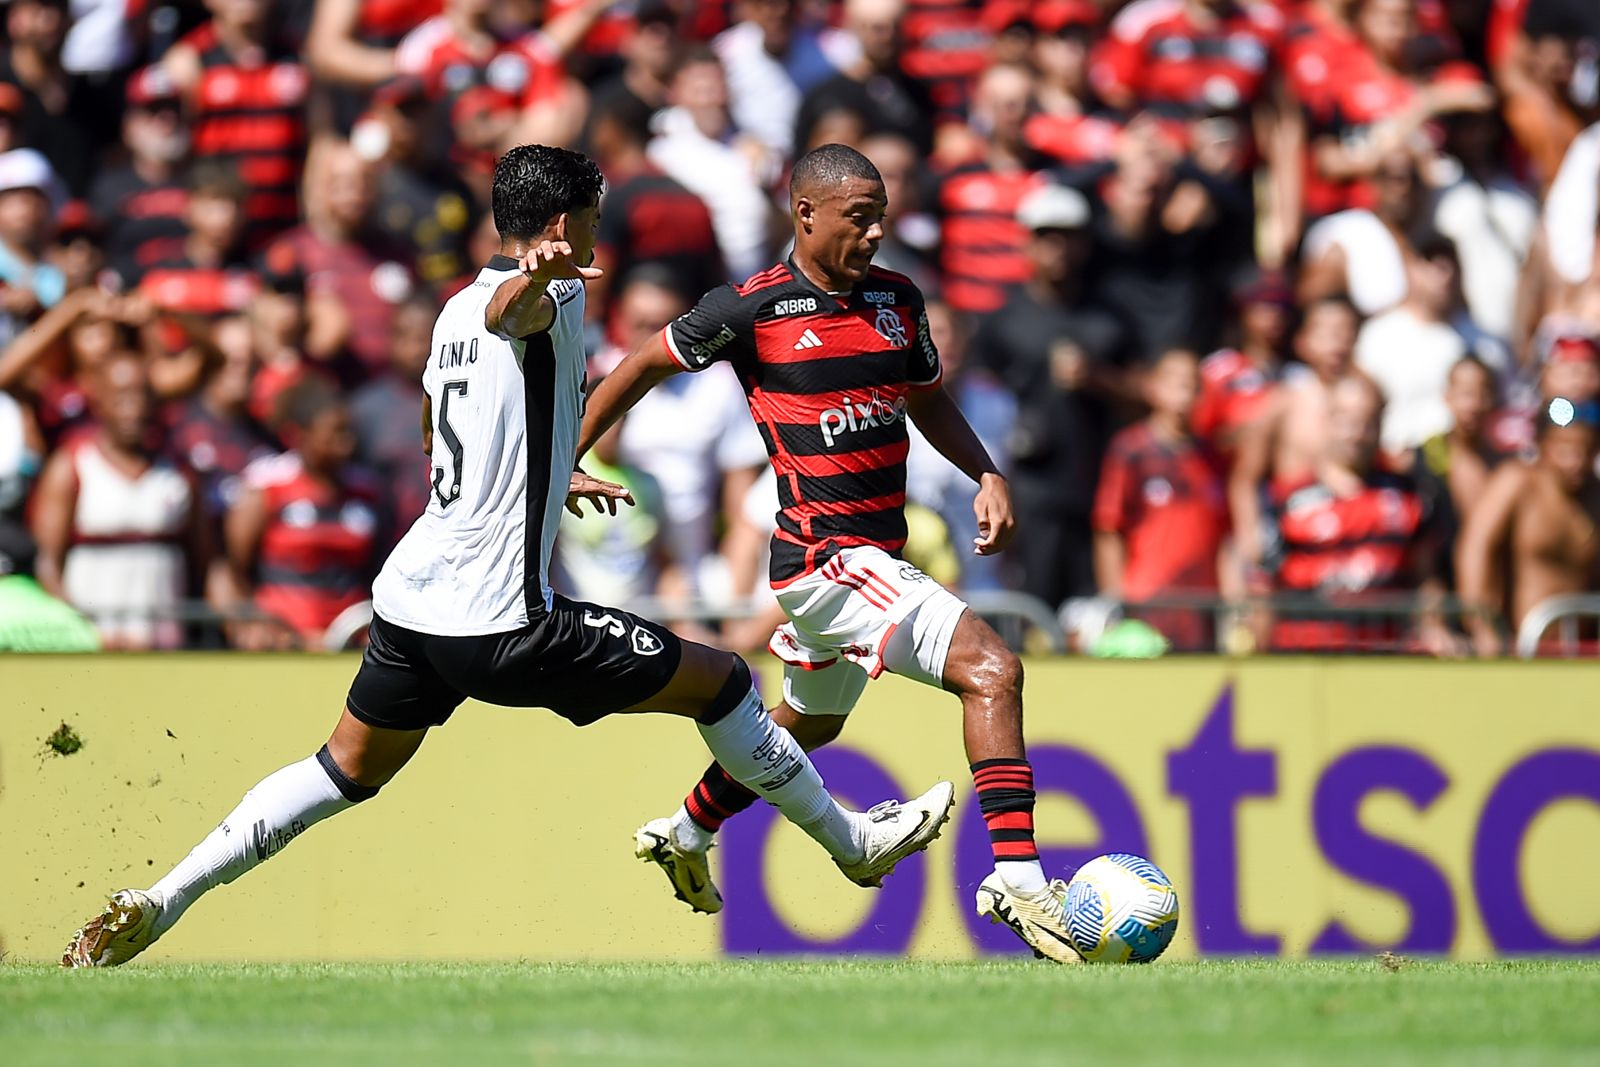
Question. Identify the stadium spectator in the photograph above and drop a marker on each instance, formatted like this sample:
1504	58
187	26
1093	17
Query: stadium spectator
65	116
1161	510
698	145
772	56
1409	350
245	91
1184	56
302	538
1236	383
120	527
353	280
143	202
1549	95
383	414
1452	469
1489	216
1158	262
947	47
1532	533
935	483
215	433
647	218
421	207
1360	252
617	559
29	196
647	61
692	434
352	43
982	241
1352	533
1062	357
909	232
876	87
207	275
1281	450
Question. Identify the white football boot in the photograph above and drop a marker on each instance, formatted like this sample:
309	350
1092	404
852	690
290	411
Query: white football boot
896	830
112	938
686	869
1040	920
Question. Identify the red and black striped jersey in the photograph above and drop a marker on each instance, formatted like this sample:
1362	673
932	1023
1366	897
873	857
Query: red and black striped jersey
251	111
827	377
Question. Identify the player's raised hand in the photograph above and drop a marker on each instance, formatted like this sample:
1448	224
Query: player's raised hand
553	259
602	494
996	523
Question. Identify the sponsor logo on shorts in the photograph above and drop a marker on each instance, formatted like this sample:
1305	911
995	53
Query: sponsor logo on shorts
607	621
911	574
646	643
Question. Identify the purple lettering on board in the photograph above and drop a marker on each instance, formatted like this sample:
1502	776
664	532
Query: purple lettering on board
1056	769
1213	776
749	922
1526	790
1377	861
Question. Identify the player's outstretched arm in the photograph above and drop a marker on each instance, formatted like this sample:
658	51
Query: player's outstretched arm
643	369
520	307
947	430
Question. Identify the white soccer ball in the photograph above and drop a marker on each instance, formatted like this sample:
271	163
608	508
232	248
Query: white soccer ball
1121	909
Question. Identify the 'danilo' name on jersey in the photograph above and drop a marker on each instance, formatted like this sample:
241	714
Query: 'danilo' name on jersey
506	414
827	378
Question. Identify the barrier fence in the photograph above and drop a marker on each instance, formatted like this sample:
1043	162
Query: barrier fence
1301	806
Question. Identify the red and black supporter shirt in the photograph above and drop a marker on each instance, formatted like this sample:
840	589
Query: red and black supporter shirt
1157	55
983	246
144	221
827	377
1234	392
251	111
319	547
1166	500
1341	548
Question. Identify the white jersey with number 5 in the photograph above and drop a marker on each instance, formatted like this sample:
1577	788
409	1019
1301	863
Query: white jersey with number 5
506	415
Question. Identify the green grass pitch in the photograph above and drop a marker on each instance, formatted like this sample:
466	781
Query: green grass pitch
809	1012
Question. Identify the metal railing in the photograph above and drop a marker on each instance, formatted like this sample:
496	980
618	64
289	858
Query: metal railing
1563	611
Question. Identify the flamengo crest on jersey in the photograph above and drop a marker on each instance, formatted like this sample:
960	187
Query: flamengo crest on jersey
506	415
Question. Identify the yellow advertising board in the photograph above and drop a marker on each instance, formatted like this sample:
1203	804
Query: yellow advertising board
1300	807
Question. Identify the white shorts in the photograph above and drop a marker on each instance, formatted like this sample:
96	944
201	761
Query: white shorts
861	613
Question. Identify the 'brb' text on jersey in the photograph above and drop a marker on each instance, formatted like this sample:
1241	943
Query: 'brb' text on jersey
827	377
506	414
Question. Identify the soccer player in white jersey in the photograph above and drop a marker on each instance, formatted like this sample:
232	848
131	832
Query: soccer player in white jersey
463	608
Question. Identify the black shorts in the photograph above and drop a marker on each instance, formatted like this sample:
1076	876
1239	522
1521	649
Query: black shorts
581	661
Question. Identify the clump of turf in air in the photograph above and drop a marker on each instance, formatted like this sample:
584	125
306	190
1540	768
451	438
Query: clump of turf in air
64	741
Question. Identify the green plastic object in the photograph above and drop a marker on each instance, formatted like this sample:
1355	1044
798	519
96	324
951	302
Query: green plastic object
1131	639
31	620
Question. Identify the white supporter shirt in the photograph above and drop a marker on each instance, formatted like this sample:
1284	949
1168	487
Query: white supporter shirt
722	176
1492	227
1410	361
1374	266
506	415
686	433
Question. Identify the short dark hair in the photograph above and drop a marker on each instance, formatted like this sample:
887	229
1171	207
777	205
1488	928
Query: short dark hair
304	402
627	113
827	166
534	183
213	177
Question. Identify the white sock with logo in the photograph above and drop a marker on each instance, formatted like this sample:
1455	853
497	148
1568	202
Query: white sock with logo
282	806
766	759
688	834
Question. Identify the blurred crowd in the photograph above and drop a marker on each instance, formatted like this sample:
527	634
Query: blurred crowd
1287	300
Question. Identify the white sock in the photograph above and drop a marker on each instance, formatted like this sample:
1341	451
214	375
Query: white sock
1022	876
282	806
688	834
766	759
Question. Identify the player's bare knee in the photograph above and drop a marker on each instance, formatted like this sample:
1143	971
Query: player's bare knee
735	685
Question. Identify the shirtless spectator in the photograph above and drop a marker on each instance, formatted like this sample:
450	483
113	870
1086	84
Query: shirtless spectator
1532	534
120	527
1350	534
1452	468
1281	450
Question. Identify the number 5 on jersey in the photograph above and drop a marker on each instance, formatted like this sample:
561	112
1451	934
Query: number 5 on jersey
452	442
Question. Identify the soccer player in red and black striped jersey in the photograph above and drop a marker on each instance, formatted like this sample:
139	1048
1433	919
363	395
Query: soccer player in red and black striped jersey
835	356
